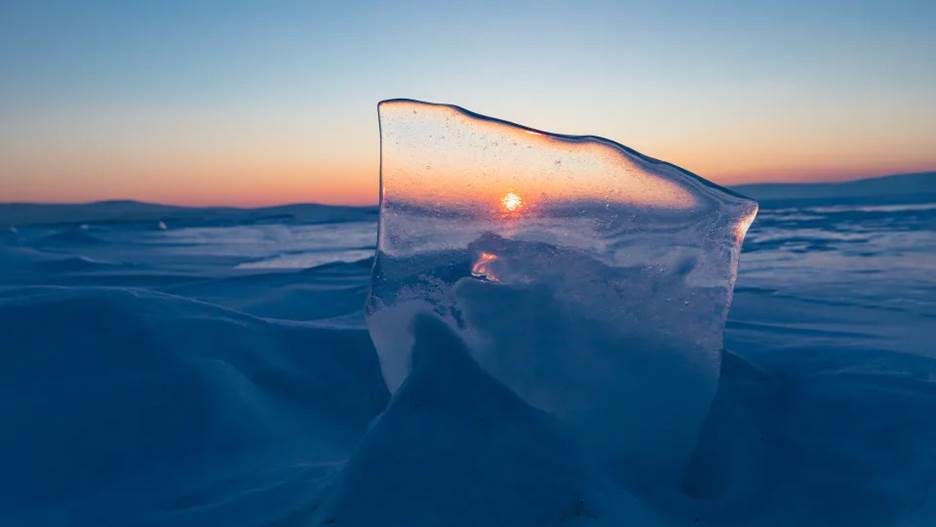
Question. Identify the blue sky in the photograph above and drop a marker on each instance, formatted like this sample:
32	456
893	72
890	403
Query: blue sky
263	102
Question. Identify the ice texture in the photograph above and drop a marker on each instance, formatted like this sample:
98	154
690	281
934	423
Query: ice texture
149	379
590	280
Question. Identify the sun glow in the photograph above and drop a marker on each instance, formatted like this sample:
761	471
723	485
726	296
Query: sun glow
512	202
481	267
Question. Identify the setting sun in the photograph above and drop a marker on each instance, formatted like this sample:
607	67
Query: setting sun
511	202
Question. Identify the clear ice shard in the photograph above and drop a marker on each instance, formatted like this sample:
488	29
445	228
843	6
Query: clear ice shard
591	280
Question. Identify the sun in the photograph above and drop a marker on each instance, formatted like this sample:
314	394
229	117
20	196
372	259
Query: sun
512	202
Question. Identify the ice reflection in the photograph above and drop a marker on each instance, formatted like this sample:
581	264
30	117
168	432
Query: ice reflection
481	268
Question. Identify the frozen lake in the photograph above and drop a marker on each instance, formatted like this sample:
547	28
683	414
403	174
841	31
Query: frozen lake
215	369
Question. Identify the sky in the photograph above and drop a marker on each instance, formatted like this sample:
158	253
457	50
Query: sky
257	103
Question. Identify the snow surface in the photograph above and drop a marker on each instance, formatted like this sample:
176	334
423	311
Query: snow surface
150	379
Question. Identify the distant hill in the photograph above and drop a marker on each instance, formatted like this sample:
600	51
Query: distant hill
126	211
899	188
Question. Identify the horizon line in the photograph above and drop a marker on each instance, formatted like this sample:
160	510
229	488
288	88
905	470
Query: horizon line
376	202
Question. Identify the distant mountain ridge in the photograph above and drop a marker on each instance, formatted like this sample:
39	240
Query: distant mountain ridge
129	211
918	187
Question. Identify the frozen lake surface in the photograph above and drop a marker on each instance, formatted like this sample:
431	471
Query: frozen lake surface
186	367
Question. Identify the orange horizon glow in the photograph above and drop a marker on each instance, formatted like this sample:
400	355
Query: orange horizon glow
203	186
254	163
353	191
264	169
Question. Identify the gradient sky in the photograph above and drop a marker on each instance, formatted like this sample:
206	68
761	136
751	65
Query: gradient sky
250	103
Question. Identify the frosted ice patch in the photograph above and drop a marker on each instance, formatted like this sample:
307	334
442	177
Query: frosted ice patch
307	260
591	280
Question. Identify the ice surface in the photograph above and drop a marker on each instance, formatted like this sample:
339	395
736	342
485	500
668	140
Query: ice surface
147	381
587	278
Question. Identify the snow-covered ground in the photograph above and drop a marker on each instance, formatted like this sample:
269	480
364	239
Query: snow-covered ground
165	366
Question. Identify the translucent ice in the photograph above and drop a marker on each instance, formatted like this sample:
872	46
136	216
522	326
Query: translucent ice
591	280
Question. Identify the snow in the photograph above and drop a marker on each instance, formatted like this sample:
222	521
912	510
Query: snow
134	405
147	381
